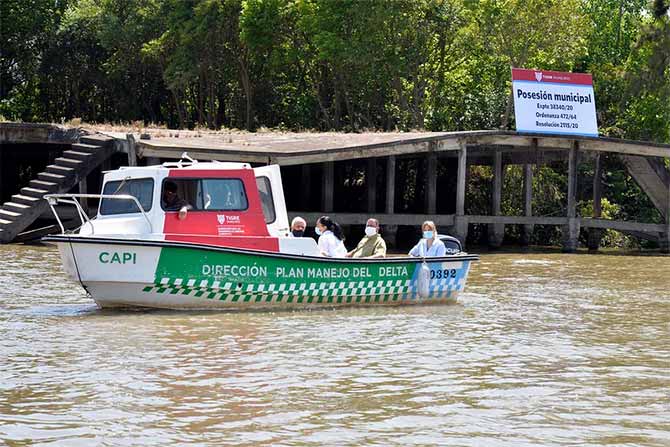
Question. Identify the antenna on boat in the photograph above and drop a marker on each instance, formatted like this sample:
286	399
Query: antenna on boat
184	156
183	160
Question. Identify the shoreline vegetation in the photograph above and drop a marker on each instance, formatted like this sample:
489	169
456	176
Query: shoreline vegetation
436	65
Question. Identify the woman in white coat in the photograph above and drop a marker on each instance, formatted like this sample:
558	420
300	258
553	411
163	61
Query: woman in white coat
429	245
331	239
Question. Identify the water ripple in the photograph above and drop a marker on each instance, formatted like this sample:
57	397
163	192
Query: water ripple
543	349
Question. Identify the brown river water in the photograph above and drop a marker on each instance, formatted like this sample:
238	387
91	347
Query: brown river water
543	349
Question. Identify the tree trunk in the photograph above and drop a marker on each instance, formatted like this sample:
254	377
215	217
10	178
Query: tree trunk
246	85
508	111
177	104
201	83
211	114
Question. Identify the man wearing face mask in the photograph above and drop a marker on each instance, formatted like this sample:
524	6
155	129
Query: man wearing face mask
372	245
298	225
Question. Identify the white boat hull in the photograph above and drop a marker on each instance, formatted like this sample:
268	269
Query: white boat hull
159	274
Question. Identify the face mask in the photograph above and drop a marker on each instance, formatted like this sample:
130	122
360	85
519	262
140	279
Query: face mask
370	231
428	234
317	230
298	233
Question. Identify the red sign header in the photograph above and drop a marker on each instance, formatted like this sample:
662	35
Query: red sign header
556	77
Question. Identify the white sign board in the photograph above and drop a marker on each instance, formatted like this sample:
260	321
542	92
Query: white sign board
554	102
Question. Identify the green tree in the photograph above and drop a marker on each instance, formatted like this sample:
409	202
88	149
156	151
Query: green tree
26	26
531	34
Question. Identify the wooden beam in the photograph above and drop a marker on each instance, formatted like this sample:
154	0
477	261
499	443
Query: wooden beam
571	230
148	148
390	185
528	189
586	222
413	220
517	220
527	230
431	183
460	181
664	236
595	233
1	171
132	150
343	147
328	186
447	219
572	179
460	227
83	189
204	154
496	198
371	183
496	229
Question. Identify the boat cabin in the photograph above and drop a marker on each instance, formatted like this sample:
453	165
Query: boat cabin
213	203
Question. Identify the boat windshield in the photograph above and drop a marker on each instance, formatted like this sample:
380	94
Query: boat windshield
142	189
206	194
267	202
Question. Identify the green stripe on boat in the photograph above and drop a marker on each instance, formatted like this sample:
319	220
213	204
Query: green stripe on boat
239	277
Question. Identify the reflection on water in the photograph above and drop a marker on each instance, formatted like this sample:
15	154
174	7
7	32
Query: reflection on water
543	349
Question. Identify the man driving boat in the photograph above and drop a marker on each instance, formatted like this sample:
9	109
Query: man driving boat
172	201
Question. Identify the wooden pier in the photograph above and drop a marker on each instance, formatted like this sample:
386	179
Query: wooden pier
312	158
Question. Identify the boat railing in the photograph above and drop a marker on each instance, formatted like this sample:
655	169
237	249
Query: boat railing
73	199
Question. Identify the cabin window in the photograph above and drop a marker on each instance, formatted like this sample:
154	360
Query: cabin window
267	202
141	188
216	194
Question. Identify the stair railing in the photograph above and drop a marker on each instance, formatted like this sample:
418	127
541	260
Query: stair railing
73	199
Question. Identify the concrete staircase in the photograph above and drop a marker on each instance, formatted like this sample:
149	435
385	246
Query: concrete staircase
652	176
66	172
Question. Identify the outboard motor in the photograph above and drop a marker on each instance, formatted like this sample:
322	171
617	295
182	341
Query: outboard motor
452	244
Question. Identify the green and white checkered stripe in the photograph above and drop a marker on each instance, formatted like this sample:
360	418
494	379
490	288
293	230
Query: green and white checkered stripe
341	292
227	277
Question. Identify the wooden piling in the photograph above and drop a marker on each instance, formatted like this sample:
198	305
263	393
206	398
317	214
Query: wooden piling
460	227
571	230
496	230
83	189
596	233
390	185
527	229
132	150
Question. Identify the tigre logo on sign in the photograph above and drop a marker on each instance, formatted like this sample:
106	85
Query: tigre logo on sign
538	76
221	218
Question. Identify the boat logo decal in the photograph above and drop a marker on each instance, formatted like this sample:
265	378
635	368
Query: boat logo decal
106	257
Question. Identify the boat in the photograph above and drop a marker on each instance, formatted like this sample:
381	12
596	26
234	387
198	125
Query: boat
224	243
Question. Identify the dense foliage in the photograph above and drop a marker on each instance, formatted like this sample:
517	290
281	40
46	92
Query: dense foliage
337	65
343	64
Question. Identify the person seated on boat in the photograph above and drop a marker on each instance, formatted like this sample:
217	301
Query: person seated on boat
372	245
172	201
429	245
331	239
298	225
